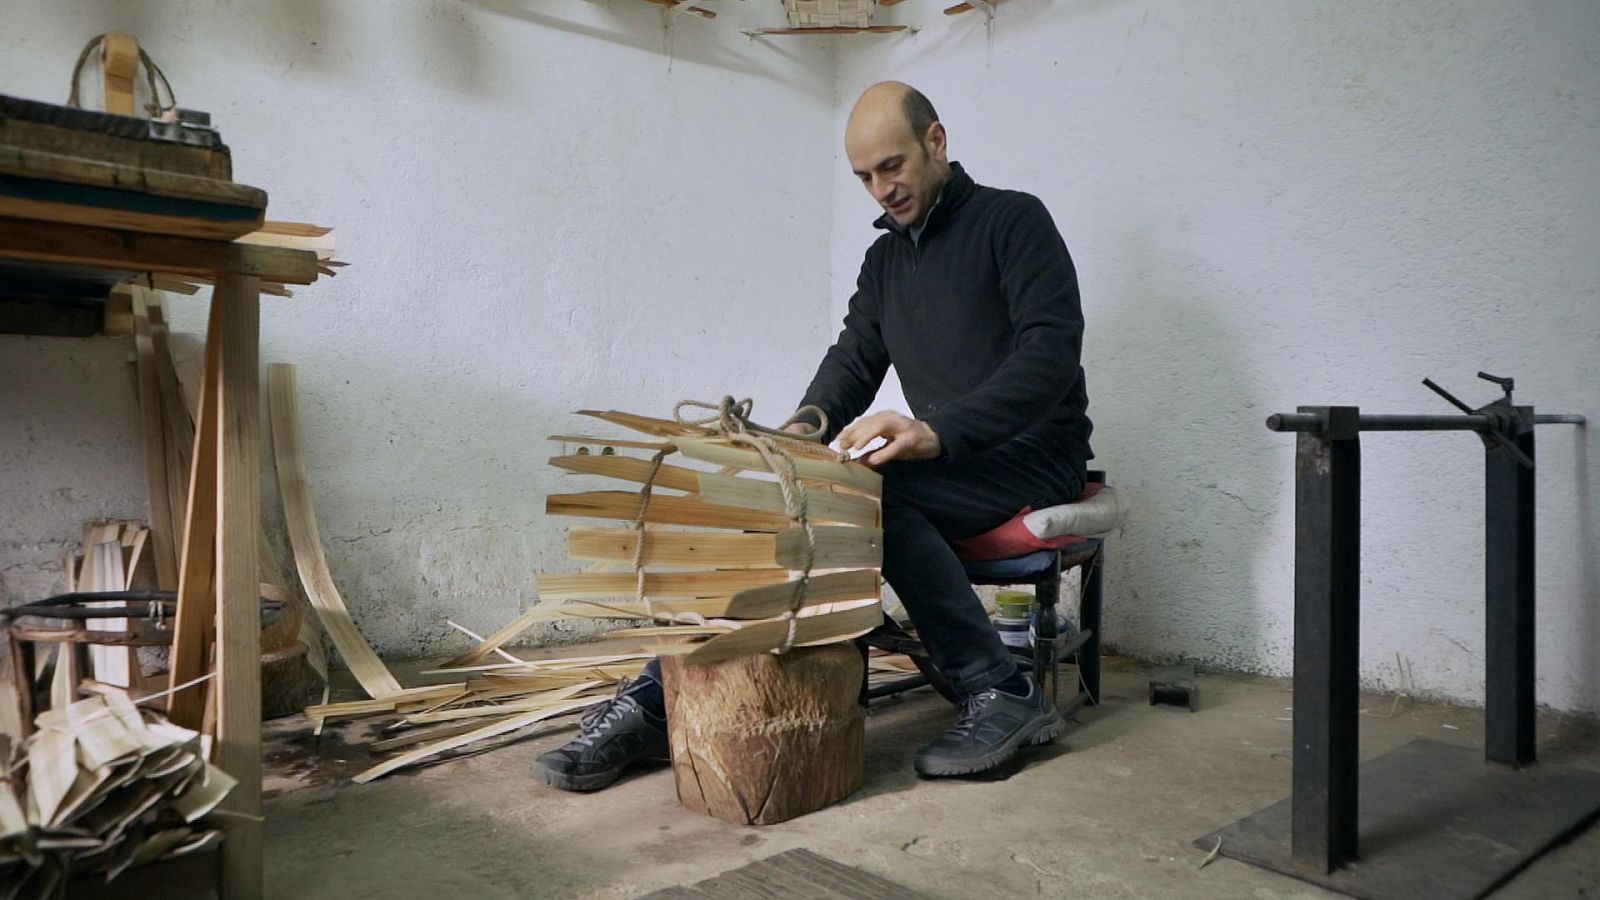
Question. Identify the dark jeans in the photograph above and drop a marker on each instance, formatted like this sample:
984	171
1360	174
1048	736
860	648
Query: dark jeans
927	504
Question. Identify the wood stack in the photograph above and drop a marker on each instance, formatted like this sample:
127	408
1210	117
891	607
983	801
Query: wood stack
102	785
764	563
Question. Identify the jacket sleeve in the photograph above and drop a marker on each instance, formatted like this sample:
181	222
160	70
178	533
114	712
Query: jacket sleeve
854	367
1040	287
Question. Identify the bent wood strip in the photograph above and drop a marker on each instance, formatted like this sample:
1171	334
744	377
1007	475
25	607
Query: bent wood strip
370	671
570	585
763	636
777	599
607	442
853	475
662	511
155	446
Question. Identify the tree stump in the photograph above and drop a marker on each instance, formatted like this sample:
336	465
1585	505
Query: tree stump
763	738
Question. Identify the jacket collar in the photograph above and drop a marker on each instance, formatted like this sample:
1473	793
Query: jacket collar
952	195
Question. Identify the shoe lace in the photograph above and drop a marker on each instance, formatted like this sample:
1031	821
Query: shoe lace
599	718
971	709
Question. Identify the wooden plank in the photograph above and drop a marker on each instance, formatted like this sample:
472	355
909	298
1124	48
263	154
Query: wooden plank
608	442
662	510
777	599
675	548
705	607
673	430
238	685
713	583
837	547
84	245
629	468
854	475
821	505
24	162
852	620
195	621
155	445
834	547
370	671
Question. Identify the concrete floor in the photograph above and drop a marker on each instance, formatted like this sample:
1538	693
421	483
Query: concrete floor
1108	812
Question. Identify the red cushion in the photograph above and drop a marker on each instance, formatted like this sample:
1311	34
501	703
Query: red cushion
1013	539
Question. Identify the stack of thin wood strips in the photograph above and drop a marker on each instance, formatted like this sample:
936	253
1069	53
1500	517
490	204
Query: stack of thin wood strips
725	569
102	785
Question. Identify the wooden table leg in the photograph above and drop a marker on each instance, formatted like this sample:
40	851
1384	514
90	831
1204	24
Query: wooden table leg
238	606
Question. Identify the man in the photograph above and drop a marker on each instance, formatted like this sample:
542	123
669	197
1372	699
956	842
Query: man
972	297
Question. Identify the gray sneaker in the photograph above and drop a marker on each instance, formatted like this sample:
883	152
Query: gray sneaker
990	728
614	736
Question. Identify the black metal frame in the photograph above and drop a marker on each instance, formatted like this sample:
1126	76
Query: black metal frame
1324	801
1049	647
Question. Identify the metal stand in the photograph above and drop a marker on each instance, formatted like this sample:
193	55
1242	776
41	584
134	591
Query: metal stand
1432	808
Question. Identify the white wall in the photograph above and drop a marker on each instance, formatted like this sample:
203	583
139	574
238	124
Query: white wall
539	217
1274	204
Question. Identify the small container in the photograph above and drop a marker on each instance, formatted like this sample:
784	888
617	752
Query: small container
1014	632
1013	604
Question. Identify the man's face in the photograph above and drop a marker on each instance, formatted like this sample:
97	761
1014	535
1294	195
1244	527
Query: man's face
902	172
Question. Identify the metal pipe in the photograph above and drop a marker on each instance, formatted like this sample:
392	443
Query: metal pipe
1308	422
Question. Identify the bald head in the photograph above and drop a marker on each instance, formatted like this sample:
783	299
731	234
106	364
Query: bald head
897	148
890	104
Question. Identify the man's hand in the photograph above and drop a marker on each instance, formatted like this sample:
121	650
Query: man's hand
906	438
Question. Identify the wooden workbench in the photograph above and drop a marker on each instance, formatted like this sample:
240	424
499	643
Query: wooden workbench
227	454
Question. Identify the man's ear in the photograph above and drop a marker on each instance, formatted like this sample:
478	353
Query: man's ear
935	142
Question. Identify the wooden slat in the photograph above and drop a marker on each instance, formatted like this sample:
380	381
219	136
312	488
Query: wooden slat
821	505
852	621
155	445
854	475
370	671
238	686
608	442
86	245
837	547
675	548
673	430
776	599
570	585
195	621
662	510
629	468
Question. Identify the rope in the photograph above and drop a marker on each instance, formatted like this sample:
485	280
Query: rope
639	595
731	419
151	72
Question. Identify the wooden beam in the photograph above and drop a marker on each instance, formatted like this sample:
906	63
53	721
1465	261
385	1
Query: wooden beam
84	245
196	617
155	445
238	689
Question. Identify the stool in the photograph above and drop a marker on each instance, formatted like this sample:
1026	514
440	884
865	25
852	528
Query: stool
1043	569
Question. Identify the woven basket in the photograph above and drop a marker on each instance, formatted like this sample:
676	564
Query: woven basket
829	13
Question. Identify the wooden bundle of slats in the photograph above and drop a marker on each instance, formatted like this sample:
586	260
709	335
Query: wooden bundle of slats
738	578
102	785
